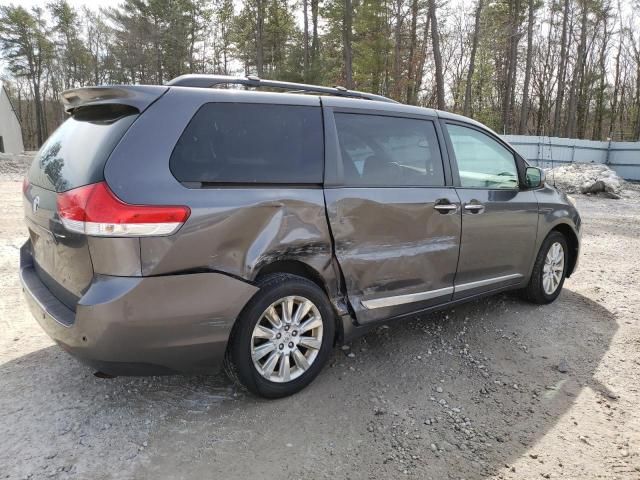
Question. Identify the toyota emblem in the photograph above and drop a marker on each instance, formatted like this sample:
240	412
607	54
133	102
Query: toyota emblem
36	204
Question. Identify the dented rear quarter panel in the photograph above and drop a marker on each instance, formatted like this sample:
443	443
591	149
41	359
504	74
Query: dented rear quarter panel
236	230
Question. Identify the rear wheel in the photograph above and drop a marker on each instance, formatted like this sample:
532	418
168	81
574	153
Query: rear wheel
282	338
549	270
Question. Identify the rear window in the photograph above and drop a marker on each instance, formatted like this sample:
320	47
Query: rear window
251	143
75	154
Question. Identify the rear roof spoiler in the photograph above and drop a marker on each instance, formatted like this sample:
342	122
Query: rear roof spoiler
137	96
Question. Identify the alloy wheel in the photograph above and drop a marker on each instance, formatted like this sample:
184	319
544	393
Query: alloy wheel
553	268
286	339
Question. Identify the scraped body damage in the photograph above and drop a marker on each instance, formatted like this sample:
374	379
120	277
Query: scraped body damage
248	230
236	230
391	242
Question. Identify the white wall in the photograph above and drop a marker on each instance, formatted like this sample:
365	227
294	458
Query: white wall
10	130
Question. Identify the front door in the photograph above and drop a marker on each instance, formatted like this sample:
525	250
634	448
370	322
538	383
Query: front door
499	218
394	220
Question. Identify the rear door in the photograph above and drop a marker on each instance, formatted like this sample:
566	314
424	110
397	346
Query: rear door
394	216
73	156
499	216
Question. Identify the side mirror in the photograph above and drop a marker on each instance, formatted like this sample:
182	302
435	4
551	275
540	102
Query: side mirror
534	177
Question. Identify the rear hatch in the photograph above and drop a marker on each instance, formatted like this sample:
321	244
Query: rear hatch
73	156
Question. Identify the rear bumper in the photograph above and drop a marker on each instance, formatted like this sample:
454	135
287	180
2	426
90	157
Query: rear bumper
142	325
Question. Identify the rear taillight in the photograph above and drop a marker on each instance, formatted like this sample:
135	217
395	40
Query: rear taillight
25	185
95	210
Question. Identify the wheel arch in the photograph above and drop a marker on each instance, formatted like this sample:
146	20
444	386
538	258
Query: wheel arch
304	270
293	267
572	241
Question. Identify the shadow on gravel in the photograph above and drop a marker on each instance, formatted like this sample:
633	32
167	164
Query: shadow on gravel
455	394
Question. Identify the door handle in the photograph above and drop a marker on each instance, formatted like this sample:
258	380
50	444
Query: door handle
474	207
444	206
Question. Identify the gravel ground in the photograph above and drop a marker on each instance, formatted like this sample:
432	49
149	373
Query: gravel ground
495	389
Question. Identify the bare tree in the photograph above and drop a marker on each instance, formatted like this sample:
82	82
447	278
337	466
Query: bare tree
511	65
347	51
260	13
315	44
562	70
411	61
397	50
578	73
524	110
437	56
305	39
472	59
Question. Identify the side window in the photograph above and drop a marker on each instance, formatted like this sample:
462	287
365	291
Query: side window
389	151
251	143
482	161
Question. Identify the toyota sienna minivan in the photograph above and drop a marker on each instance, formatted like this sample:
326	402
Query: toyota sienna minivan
181	227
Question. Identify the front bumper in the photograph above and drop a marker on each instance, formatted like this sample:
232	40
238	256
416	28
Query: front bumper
142	325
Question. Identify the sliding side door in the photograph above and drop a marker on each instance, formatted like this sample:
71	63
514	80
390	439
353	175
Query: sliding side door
394	215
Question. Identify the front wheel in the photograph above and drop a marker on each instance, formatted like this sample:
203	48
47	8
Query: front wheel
549	270
282	338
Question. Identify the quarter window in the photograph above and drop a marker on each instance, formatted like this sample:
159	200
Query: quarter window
388	151
482	161
251	143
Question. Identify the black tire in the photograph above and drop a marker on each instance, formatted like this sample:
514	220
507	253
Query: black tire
238	360
534	291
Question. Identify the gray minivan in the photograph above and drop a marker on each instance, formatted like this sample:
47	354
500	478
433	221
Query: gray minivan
177	228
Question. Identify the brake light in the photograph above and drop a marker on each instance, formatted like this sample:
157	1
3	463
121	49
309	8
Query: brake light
25	185
95	210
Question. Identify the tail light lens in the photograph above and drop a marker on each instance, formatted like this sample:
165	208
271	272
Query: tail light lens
25	185
95	210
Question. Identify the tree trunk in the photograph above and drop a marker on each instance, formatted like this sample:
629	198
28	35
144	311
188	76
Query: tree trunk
637	130
397	52
421	62
305	4
413	42
314	35
260	38
347	27
602	62
562	70
437	56
524	110
38	109
577	74
616	88
472	60
510	70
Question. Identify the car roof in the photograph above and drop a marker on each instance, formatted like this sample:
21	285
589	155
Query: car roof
141	96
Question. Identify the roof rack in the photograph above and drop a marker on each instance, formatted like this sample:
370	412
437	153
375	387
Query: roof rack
208	81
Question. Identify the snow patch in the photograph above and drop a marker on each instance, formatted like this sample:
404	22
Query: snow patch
13	166
587	178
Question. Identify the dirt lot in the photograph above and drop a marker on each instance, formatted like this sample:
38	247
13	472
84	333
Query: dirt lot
493	389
